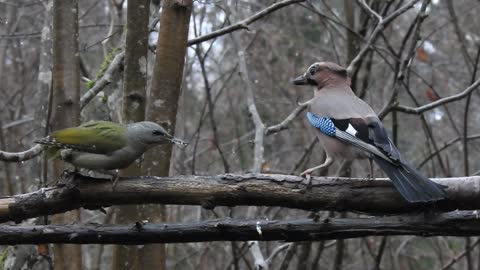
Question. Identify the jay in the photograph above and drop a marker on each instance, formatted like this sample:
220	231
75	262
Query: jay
348	129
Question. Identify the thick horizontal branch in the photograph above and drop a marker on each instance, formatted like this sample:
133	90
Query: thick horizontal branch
326	193
457	223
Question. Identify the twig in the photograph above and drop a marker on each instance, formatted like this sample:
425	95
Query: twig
252	108
277	251
381	250
104	80
259	260
306	153
211	108
284	124
378	29
459	256
460	36
447	144
288	256
445	100
21	156
244	23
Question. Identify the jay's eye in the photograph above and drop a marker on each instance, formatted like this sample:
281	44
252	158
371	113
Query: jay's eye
312	70
157	132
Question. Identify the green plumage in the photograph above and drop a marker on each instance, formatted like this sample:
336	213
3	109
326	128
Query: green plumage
99	137
105	145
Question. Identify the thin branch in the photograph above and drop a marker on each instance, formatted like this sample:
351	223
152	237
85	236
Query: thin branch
277	251
288	256
285	122
459	256
105	80
445	100
382	22
257	255
211	108
252	108
244	23
21	156
460	36
379	255
326	193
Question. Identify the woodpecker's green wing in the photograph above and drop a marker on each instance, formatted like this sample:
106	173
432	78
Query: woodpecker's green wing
99	137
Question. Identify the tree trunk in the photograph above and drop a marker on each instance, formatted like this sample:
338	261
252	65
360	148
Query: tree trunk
134	92
65	107
163	99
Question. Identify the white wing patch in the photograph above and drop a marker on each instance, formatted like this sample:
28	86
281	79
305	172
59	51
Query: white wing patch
351	130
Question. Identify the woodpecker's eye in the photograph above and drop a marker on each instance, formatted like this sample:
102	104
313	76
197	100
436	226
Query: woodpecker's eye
157	132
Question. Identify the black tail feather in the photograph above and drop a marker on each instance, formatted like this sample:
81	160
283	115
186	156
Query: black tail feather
413	186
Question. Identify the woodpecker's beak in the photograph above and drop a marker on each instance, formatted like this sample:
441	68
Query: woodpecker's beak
300	80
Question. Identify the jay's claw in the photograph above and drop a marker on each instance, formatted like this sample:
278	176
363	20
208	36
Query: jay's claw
308	176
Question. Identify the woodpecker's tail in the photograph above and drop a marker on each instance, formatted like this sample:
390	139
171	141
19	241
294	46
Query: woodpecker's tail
413	186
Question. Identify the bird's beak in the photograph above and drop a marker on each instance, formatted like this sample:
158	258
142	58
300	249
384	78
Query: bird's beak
300	80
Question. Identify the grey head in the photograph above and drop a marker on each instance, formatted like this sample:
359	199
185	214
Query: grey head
150	133
321	74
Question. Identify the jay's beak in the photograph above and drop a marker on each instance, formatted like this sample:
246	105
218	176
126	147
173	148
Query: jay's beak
300	80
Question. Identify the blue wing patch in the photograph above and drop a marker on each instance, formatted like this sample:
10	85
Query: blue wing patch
324	124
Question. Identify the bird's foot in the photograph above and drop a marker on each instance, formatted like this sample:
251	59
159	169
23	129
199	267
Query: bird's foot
114	177
308	176
308	172
67	177
114	180
67	173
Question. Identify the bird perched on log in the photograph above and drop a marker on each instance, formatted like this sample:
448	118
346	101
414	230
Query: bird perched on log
103	146
348	129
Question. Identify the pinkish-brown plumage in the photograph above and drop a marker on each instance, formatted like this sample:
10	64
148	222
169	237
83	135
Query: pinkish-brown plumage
349	129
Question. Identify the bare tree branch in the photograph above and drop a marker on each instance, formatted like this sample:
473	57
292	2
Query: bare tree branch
382	22
459	256
104	80
445	146
445	100
326	193
469	63
244	23
456	223
285	122
21	156
252	108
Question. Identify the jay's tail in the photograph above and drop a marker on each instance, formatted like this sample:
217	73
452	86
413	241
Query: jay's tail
413	186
